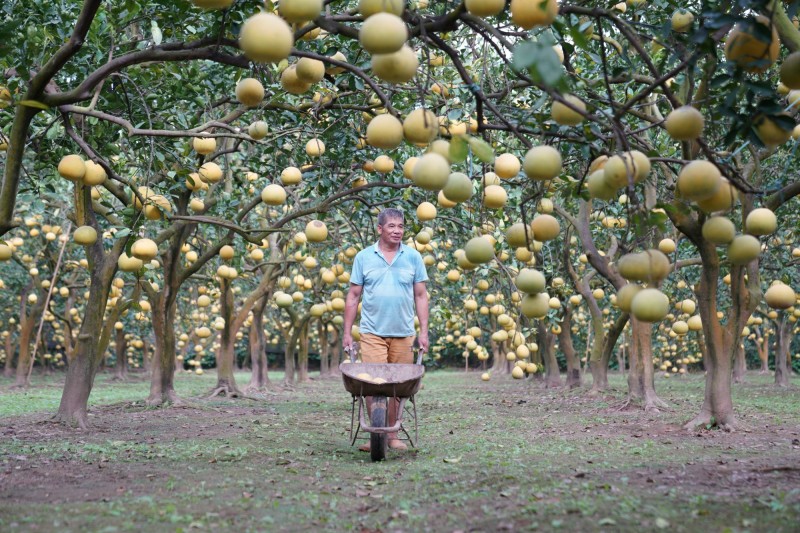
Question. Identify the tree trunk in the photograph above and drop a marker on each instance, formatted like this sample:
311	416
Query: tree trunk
259	378
8	370
25	334
335	353
324	348
565	342
641	382
763	352
302	356
782	341
120	348
162	378
547	342
739	364
288	362
226	382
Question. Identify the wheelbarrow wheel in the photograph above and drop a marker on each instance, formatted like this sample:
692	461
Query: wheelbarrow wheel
378	441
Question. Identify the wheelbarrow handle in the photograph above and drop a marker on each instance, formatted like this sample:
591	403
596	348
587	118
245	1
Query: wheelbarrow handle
420	354
351	350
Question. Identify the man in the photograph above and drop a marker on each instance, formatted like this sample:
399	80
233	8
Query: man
391	277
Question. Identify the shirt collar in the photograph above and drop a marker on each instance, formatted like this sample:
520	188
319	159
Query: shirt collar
377	250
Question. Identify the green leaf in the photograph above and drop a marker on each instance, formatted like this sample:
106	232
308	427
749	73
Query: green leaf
482	150
33	103
458	149
123	233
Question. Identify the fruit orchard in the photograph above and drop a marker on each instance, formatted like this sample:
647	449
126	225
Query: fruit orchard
593	187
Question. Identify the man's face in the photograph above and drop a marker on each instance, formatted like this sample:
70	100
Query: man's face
391	232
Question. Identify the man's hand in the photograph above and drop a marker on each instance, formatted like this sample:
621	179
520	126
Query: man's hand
422	339
347	341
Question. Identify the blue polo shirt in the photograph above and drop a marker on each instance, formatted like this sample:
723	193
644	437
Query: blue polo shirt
387	299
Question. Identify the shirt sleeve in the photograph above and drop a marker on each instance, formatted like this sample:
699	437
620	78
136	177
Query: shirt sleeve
357	274
420	274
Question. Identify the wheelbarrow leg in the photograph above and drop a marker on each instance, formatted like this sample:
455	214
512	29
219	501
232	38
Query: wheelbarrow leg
378	441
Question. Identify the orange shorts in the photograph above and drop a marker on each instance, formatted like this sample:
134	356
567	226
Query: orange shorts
376	349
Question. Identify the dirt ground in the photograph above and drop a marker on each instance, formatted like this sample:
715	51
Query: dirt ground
503	455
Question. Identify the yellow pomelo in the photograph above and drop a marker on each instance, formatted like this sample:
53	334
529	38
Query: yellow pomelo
516	235
479	250
129	264
666	246
745	47
210	172
385	131
226	253
144	249
266	38
685	123
542	163
458	188
790	71
506	166
530	281
383	164
398	67
315	148
780	296
300	10
291	176
420	126
625	296
699	180
695	323
383	33
85	235
723	200
598	188
770	132
761	221
316	231
273	194
565	115
529	13
258	130
204	145
545	227
719	230
292	83
485	8
494	196
743	249
618	170
72	167
249	92
426	211
443	202
95	174
370	7
535	305
650	305
681	21
309	70
431	172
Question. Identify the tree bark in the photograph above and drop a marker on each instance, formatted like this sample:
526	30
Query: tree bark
783	340
25	334
547	342
226	381
565	342
302	355
11	353
641	382
120	348
763	352
335	353
324	350
739	364
259	378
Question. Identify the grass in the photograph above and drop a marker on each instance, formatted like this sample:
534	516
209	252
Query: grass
502	455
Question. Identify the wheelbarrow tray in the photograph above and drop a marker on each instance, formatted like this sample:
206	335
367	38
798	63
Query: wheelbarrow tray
402	380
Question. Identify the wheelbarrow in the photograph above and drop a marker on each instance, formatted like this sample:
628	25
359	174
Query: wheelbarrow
381	382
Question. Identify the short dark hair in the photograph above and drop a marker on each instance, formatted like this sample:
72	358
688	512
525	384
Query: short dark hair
389	212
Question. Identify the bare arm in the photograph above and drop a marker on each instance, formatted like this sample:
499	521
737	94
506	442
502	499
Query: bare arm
421	305
350	311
